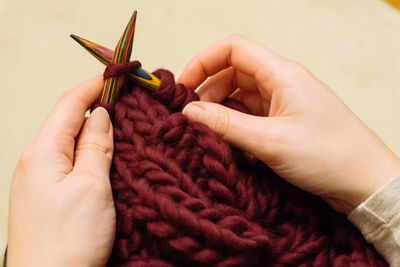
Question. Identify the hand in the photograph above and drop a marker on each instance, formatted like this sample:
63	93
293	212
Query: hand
61	207
300	128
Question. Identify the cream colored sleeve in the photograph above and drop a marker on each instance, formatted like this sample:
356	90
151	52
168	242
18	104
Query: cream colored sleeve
378	219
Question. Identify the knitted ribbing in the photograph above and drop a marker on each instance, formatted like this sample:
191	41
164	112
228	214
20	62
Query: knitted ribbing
184	197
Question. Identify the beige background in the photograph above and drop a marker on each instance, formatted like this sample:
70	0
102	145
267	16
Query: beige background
352	45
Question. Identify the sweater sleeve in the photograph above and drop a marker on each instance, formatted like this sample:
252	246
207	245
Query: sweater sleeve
378	219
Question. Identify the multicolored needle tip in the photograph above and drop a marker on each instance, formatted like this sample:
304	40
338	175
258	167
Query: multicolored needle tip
121	54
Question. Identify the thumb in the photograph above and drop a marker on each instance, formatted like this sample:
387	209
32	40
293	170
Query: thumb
94	150
242	130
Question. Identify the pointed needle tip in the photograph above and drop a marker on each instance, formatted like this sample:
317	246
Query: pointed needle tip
78	39
73	36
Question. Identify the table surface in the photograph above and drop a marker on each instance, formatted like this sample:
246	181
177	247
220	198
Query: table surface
353	46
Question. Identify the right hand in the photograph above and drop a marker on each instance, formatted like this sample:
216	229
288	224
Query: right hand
300	127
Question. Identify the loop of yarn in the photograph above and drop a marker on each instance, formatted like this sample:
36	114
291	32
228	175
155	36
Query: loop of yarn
116	70
120	69
184	197
173	96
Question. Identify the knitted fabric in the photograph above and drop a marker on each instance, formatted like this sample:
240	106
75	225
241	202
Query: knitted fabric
184	197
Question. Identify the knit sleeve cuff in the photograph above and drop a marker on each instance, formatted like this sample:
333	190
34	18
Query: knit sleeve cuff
378	219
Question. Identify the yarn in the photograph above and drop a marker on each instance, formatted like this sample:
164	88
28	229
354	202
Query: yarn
184	197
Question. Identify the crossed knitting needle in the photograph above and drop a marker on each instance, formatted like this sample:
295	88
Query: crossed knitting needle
121	54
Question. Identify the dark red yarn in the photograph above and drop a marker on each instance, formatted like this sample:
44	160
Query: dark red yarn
184	197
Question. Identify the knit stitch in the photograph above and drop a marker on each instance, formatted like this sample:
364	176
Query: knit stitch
184	197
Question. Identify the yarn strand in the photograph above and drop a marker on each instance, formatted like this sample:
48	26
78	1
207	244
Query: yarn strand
184	197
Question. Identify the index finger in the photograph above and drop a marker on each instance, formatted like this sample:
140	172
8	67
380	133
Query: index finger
237	51
64	122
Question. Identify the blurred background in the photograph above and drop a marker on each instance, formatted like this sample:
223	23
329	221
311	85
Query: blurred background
353	46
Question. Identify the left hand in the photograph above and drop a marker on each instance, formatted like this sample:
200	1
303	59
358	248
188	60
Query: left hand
61	207
300	128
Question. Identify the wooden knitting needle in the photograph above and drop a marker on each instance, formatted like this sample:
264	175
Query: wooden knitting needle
121	54
104	55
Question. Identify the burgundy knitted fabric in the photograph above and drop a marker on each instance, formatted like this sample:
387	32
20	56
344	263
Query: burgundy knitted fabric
184	197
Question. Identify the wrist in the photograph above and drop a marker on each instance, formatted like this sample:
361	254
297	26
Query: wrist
363	182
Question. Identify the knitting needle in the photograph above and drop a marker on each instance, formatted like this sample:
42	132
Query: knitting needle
104	55
121	54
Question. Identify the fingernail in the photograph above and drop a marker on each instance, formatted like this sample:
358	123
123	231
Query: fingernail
99	120
193	110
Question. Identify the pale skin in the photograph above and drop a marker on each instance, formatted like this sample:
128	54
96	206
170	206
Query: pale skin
61	206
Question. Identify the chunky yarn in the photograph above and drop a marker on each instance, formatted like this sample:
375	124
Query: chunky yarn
184	197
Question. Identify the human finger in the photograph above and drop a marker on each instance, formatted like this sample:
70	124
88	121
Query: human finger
65	121
252	100
224	83
245	131
237	51
94	148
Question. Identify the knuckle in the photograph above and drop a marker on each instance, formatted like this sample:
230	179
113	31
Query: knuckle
95	147
289	74
72	95
66	95
273	139
222	123
199	61
236	39
27	155
235	36
296	69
